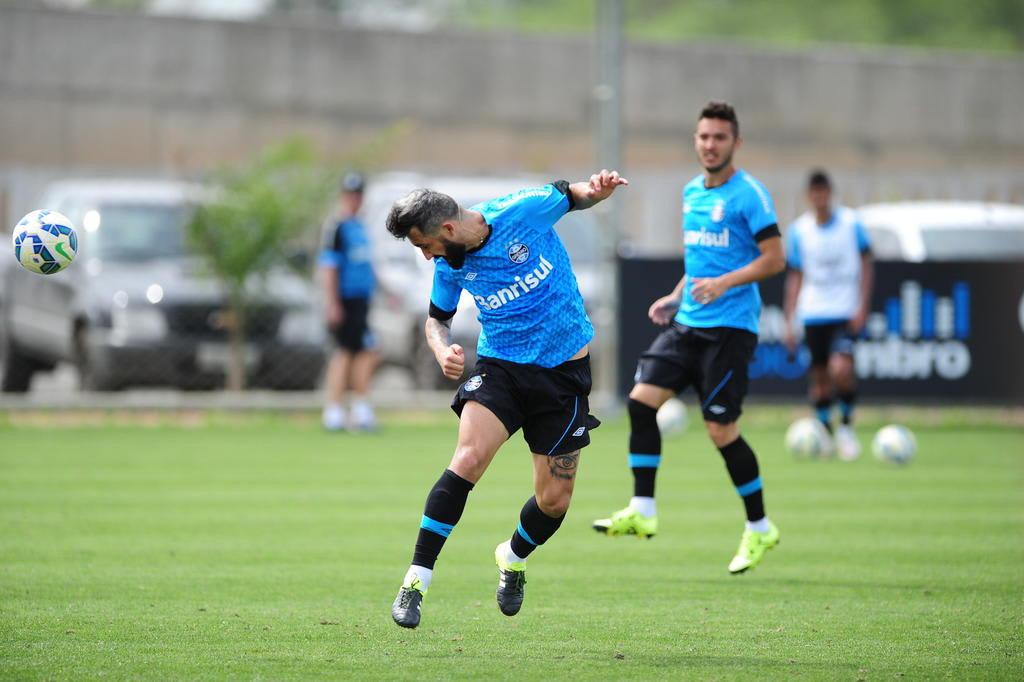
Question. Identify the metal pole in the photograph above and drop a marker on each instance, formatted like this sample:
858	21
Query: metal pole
607	128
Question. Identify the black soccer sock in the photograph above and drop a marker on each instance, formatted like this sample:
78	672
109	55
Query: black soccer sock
443	510
535	527
644	447
823	410
847	403
742	465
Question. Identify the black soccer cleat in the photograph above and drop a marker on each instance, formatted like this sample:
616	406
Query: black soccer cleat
511	584
406	609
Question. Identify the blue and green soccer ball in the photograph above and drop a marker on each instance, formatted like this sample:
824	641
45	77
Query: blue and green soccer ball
45	242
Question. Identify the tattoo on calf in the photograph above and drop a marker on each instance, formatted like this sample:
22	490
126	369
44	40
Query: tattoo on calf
564	466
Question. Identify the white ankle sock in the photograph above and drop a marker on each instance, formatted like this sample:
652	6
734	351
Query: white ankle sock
424	575
510	556
644	506
759	526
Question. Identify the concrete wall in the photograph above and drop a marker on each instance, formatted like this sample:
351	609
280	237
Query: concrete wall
114	91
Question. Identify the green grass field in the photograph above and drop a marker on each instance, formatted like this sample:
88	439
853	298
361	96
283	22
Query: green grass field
260	548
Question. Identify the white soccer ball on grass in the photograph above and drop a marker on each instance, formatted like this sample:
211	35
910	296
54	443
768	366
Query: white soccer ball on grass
808	437
894	444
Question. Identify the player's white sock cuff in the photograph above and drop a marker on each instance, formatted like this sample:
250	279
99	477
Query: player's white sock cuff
759	526
422	573
644	506
510	556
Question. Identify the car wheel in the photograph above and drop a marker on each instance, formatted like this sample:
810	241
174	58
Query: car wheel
90	376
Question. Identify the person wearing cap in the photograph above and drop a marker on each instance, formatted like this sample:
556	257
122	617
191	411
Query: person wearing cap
828	288
348	286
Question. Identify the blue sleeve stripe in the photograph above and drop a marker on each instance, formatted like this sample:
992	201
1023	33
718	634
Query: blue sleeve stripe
644	461
442	529
749	488
524	535
723	382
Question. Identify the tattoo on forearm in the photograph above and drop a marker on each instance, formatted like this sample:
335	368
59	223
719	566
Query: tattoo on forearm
564	466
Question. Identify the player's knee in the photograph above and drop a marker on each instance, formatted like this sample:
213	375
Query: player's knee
469	461
641	414
554	503
722	434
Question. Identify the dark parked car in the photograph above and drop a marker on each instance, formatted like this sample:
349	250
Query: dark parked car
137	309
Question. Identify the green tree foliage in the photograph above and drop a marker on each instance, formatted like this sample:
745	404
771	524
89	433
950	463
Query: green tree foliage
951	24
243	229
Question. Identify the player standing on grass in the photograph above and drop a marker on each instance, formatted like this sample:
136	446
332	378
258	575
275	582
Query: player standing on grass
533	370
731	241
829	288
348	282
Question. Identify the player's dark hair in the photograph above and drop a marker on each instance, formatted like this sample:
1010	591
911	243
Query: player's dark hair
723	111
423	209
818	179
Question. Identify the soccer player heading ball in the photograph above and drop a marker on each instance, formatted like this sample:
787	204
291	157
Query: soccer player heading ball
533	371
732	241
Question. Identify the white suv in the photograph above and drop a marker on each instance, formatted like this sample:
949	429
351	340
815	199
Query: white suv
918	231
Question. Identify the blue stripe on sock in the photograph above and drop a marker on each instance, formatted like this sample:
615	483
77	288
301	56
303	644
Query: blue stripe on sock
845	409
824	413
524	535
749	488
442	529
644	461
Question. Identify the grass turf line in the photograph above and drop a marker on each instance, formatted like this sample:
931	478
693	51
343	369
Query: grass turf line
267	549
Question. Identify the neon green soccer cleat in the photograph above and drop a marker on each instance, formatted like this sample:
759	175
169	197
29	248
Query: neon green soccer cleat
511	581
628	521
753	546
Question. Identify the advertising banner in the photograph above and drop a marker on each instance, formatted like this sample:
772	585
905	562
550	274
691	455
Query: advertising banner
936	331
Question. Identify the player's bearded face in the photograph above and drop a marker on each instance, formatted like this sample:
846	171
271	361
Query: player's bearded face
454	253
715	143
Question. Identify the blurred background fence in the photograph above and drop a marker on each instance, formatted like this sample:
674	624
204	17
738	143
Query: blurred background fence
155	92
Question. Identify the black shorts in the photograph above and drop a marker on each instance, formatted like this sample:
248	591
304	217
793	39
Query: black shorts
353	334
552	406
713	360
825	339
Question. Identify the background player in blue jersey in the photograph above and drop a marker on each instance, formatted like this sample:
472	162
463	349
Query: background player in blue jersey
533	371
348	283
731	241
828	288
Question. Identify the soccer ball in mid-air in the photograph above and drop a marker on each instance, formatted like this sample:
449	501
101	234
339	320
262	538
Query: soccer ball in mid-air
45	242
672	418
808	437
894	443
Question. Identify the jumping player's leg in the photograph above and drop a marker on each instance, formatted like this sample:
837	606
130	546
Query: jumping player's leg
554	477
481	433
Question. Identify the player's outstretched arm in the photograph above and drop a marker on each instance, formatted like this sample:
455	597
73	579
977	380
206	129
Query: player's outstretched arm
597	189
450	356
772	261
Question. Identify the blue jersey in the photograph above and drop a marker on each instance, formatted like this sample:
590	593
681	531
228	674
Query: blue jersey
347	248
531	310
720	228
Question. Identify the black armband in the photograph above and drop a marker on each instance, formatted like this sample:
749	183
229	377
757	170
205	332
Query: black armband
767	233
439	314
563	187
